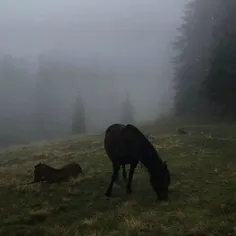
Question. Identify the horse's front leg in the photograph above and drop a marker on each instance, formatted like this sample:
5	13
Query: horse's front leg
130	179
116	169
124	173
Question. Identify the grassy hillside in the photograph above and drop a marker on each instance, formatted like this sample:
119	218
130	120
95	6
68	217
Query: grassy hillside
202	199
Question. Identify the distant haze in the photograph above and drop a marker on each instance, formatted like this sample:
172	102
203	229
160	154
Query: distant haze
126	43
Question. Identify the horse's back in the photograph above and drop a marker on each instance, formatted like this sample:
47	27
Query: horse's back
114	128
112	137
129	135
72	169
122	142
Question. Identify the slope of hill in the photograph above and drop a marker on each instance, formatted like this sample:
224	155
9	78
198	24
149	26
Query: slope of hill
202	199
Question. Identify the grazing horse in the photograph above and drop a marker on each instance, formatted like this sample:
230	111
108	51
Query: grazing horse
125	144
43	172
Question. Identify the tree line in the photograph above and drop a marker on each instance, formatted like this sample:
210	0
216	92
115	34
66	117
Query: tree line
46	102
31	102
204	60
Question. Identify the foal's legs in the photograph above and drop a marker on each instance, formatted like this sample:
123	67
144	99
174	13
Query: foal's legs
116	169
131	173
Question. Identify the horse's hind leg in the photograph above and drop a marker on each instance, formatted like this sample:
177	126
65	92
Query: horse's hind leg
130	179
113	179
124	173
117	180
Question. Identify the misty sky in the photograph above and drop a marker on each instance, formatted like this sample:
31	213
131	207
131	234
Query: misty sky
95	27
130	37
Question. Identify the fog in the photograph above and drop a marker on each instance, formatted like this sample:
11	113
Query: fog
51	50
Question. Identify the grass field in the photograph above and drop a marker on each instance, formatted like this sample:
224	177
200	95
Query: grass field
202	199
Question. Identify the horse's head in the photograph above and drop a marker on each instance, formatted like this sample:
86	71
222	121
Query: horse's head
160	181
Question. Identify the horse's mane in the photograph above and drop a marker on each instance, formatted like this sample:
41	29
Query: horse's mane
139	134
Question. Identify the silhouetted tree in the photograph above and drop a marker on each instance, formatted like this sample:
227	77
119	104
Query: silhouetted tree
55	89
15	106
193	49
127	115
78	118
220	84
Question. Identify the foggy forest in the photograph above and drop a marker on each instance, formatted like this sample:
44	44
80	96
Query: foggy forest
117	118
70	67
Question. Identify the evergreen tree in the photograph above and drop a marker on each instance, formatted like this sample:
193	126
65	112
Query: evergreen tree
15	97
46	109
55	89
127	111
78	118
193	47
220	84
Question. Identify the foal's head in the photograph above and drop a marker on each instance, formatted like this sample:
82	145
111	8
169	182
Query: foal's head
41	171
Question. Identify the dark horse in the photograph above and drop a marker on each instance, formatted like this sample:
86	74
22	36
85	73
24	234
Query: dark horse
125	144
43	172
